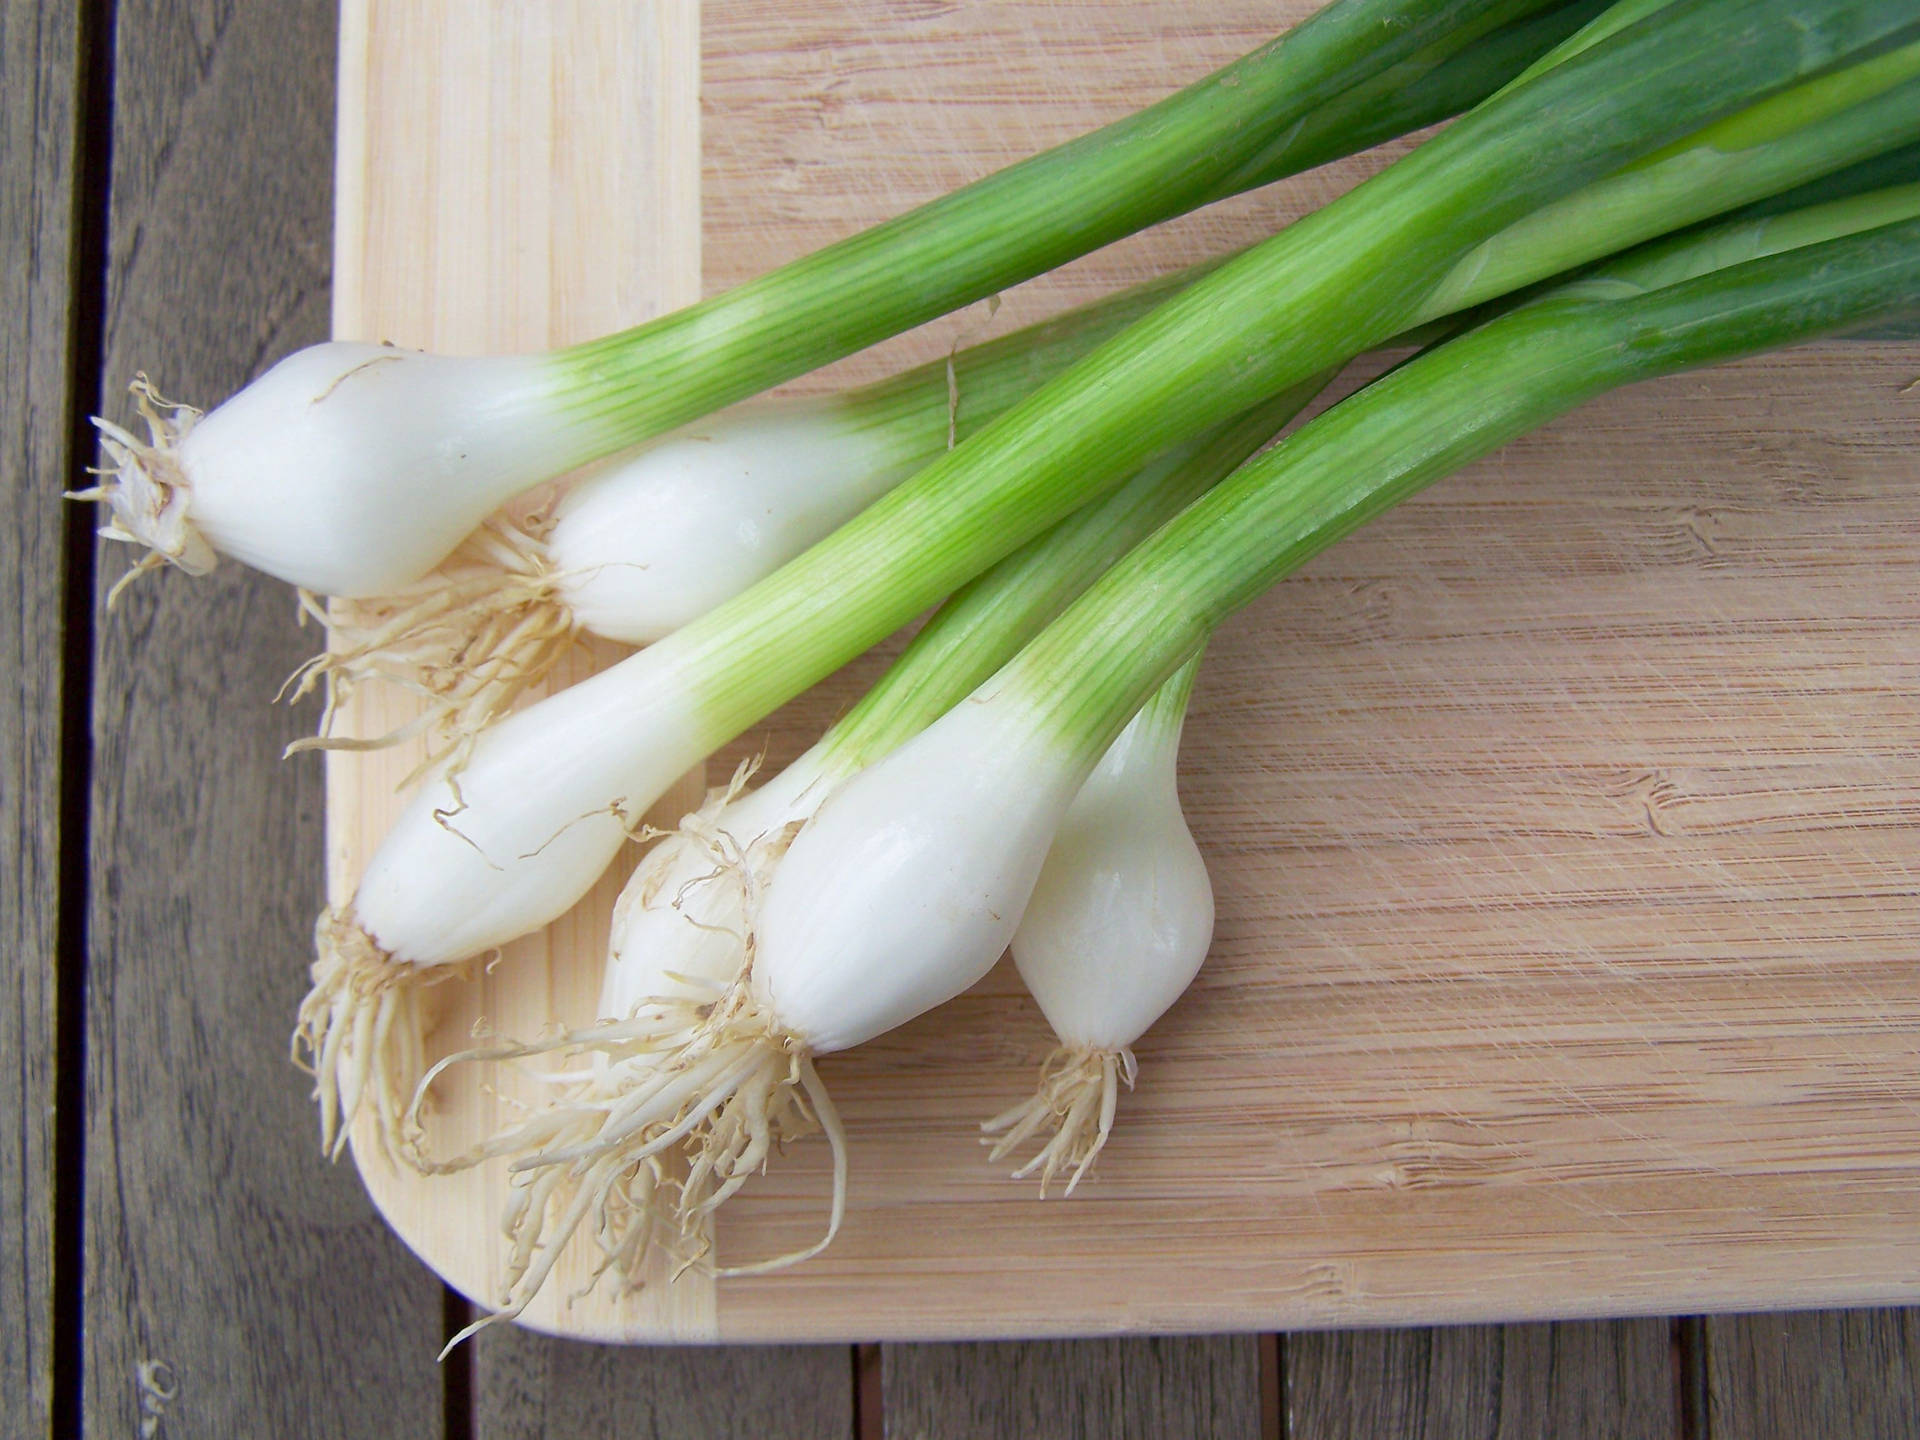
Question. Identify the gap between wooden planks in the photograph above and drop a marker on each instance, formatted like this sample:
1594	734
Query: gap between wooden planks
1564	823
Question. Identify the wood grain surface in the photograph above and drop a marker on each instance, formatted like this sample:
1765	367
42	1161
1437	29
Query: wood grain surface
236	1284
539	1387
1562	823
1814	1374
1600	1380
1126	1389
40	60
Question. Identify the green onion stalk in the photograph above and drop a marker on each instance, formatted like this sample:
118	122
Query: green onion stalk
352	469
548	796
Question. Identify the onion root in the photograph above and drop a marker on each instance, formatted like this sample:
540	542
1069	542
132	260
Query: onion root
468	640
715	1084
1077	1096
145	488
361	1033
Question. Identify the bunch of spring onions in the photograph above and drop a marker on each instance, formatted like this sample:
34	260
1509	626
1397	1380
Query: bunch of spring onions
1355	71
902	887
547	797
1010	781
742	842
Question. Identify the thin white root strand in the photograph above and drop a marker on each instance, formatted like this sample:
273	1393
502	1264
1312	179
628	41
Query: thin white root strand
702	830
468	640
361	1033
626	1201
828	1119
145	490
745	863
1078	1094
714	1085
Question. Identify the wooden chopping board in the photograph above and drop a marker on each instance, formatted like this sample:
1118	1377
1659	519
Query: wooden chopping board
1565	824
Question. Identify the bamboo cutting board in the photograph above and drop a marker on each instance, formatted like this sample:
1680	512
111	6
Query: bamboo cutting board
1565	824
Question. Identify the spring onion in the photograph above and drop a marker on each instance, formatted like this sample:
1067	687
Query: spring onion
1119	922
645	544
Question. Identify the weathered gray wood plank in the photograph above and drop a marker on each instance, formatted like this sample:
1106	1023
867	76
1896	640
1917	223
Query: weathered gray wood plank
39	86
1840	1375
219	1244
533	1387
1601	1380
1188	1385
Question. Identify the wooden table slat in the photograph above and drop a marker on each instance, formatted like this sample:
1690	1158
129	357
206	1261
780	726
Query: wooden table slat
1599	1380
1817	1373
1137	1389
219	1244
40	60
536	1387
